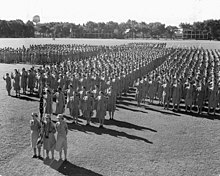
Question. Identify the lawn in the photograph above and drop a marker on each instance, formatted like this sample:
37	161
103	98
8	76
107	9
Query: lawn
19	42
144	141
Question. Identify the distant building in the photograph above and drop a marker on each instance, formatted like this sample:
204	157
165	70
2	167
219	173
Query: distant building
195	34
179	34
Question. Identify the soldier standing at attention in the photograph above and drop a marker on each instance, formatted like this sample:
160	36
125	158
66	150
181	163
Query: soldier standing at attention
101	108
24	78
35	132
62	131
16	83
8	83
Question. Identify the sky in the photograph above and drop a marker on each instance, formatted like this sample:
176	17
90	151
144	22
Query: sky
169	12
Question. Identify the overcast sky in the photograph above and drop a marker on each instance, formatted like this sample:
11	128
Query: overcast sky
170	12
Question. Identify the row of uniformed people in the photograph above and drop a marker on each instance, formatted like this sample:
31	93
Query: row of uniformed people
54	76
39	54
115	83
99	65
43	135
188	74
42	54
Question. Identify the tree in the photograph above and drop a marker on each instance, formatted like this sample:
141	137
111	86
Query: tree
170	31
29	29
185	26
157	29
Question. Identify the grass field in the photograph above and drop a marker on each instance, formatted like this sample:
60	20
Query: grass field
145	141
19	42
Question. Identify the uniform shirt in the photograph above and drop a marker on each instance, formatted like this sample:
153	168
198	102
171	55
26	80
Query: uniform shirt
61	129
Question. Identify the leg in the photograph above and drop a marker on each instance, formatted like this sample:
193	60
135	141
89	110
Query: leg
178	106
100	122
209	110
113	112
109	112
65	153
173	106
103	119
39	151
87	119
52	153
60	153
35	153
76	117
47	153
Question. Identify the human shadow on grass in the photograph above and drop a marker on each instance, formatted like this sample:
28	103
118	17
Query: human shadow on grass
119	105
69	118
123	124
68	168
130	109
125	98
204	114
34	94
24	98
100	131
194	112
160	111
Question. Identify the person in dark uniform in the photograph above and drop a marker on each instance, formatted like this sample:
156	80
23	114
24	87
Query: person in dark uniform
41	107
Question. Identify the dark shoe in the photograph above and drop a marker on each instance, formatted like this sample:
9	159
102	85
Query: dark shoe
34	156
40	157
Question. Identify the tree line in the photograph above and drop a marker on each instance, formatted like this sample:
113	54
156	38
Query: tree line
129	29
211	26
16	29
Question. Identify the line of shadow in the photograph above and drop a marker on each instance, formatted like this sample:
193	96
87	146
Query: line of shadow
128	100
162	112
122	124
130	109
194	112
68	168
32	95
26	98
100	131
125	98
70	118
144	106
115	122
201	115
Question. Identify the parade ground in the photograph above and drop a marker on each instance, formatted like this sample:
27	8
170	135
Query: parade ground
19	42
141	141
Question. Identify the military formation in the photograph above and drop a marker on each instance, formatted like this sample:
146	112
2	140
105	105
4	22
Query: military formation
88	80
86	84
188	76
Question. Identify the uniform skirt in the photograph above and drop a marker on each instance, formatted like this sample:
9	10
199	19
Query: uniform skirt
50	142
